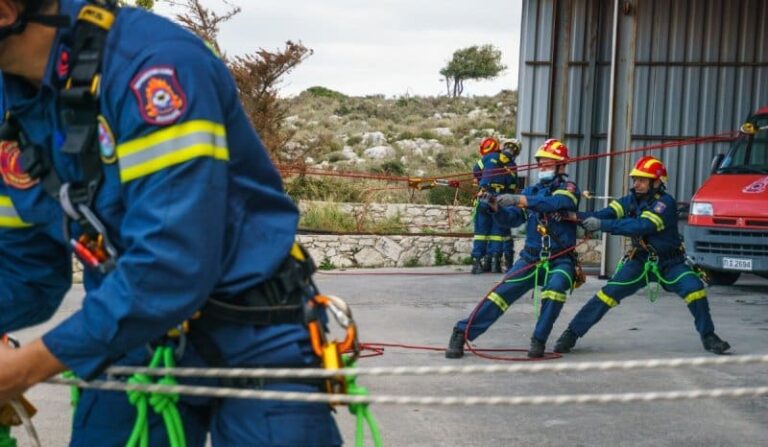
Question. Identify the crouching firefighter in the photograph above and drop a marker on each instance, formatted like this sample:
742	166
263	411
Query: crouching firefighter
128	130
648	215
541	208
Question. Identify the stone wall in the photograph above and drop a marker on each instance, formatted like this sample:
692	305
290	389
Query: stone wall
342	251
416	218
398	251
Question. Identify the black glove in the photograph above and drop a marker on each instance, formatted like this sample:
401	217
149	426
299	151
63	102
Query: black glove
591	223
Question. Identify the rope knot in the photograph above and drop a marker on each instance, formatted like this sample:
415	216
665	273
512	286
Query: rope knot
136	396
160	402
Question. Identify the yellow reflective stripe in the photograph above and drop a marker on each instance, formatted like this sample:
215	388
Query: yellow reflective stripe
564	192
617	208
693	296
496	299
481	237
171	146
655	218
610	302
480	164
9	218
497	238
553	295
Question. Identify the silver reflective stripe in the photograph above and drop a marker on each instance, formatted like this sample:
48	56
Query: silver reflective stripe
171	146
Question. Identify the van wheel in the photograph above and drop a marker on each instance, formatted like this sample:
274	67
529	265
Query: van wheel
721	278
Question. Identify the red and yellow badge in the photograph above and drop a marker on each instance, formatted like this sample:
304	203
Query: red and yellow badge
161	100
11	169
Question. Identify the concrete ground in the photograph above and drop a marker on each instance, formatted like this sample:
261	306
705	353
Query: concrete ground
421	310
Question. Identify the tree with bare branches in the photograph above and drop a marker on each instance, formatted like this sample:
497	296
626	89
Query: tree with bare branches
258	74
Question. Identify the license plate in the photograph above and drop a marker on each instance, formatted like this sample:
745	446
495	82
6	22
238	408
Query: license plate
737	264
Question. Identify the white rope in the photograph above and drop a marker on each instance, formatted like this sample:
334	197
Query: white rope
255	373
563	399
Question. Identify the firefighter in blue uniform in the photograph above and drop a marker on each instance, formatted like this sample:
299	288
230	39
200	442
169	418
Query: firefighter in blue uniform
512	147
541	207
494	177
181	211
648	215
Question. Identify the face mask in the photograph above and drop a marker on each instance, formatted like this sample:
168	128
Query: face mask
546	176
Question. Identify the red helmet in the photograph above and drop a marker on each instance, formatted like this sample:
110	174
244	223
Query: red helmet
649	167
489	145
552	149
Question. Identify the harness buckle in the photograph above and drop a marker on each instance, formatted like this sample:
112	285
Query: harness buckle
330	352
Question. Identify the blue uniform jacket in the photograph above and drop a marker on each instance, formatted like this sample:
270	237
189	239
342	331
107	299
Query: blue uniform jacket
496	173
545	204
190	198
653	218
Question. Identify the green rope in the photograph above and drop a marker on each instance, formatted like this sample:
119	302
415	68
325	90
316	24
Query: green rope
362	412
74	394
6	440
650	267
163	404
543	264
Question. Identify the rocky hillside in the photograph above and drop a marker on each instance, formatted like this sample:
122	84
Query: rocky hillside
413	136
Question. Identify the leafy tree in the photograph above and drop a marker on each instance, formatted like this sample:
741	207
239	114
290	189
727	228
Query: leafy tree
472	63
257	74
146	4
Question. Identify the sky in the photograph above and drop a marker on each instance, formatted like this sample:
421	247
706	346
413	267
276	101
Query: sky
364	47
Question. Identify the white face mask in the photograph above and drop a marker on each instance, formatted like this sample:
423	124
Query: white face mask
546	176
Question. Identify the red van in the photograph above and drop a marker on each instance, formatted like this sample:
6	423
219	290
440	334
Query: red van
727	231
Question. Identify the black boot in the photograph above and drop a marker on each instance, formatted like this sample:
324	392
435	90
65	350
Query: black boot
496	264
455	345
477	266
712	343
487	263
537	348
566	342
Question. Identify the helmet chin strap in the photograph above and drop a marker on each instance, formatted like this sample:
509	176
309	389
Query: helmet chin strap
31	15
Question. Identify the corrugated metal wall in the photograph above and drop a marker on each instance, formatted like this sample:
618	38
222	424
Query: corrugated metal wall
698	68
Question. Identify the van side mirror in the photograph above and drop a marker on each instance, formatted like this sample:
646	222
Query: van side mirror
716	163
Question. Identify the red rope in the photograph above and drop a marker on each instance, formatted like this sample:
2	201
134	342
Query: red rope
479	352
287	169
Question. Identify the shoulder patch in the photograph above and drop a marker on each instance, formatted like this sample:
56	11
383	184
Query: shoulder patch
659	207
107	143
11	169
160	97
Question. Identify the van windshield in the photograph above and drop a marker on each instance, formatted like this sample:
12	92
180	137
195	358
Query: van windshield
750	152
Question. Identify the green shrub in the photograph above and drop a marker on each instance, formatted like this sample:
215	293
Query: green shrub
354	140
326	265
413	262
392	167
440	258
327	217
445	196
322	92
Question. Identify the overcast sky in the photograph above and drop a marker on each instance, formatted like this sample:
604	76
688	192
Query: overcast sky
365	47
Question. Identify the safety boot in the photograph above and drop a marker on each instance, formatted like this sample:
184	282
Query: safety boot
477	266
714	344
537	348
487	263
455	345
496	264
566	342
509	259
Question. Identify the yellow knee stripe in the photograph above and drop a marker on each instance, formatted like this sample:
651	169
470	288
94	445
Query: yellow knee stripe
496	299
610	302
693	296
553	295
